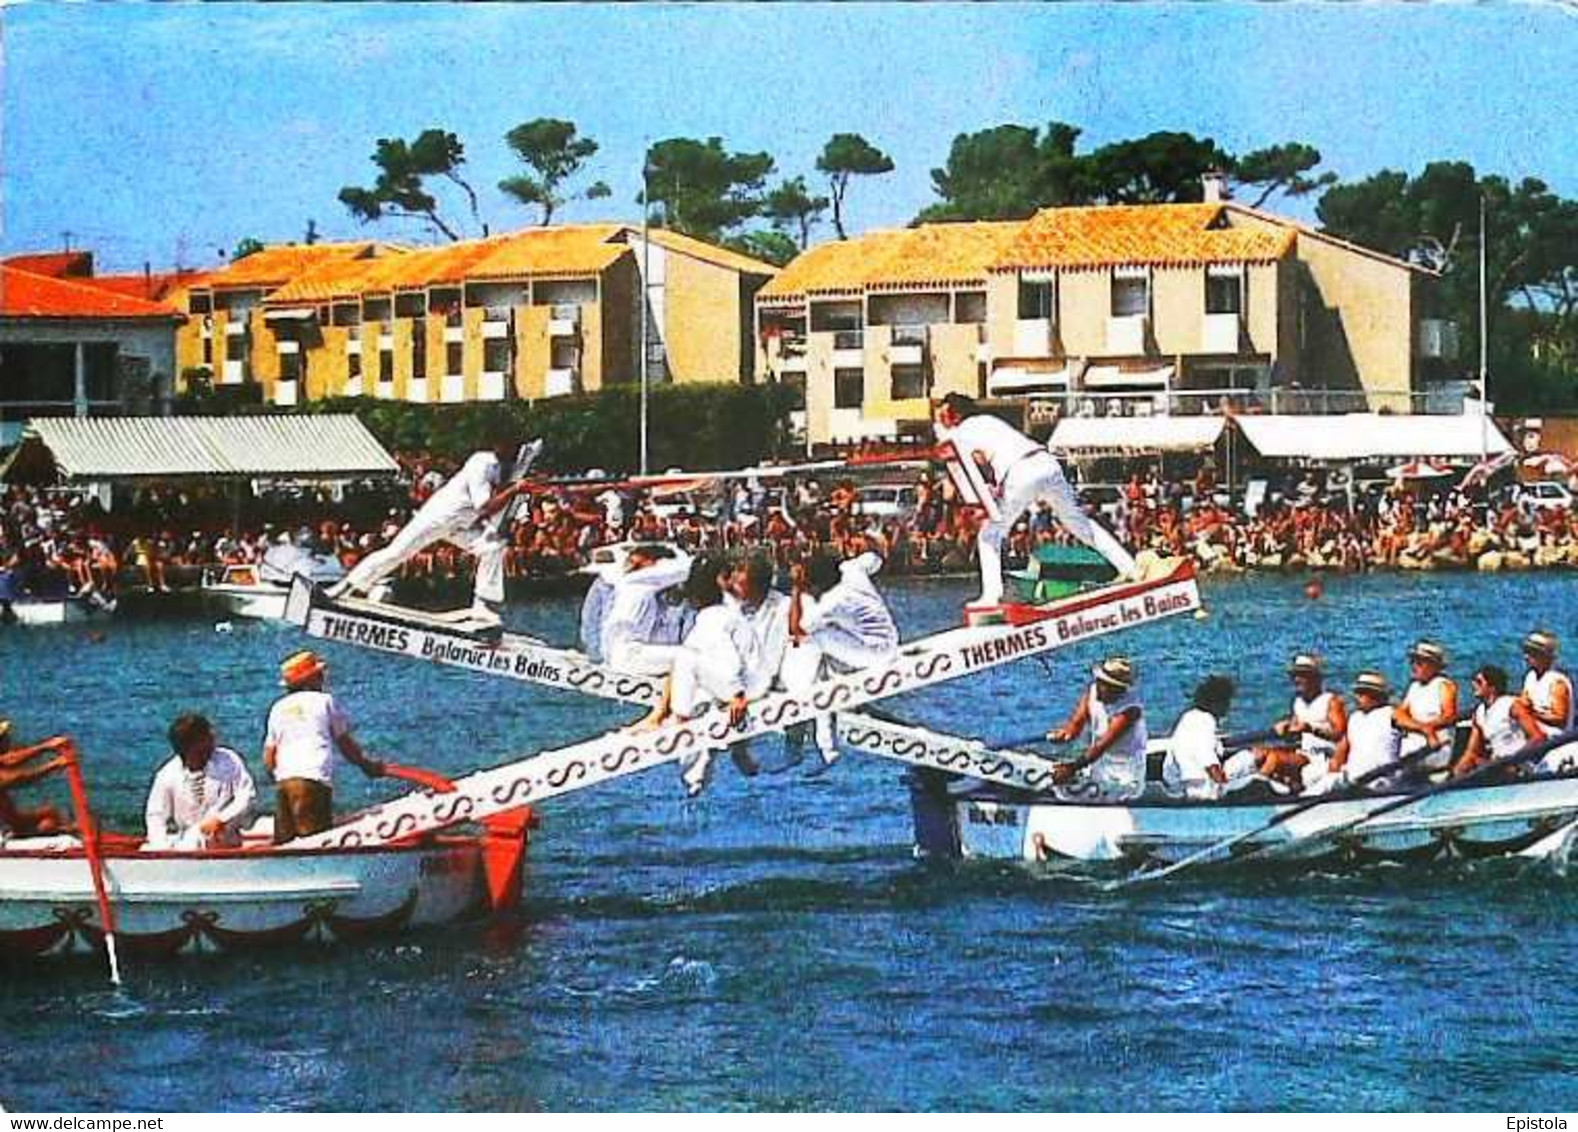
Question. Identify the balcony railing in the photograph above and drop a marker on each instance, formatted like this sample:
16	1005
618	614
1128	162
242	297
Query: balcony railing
1445	401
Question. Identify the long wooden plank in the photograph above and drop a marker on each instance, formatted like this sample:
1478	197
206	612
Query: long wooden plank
931	660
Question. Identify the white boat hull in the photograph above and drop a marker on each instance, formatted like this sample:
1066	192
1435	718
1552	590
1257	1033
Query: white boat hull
262	602
1472	822
169	903
54	611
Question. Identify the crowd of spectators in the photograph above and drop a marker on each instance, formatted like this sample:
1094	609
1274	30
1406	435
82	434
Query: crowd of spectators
55	542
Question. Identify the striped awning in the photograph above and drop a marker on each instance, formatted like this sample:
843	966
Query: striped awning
150	448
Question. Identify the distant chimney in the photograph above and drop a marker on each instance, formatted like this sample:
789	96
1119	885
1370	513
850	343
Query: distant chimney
1214	182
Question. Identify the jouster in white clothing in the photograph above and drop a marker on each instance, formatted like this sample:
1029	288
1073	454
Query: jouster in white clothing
181	800
637	628
305	728
451	514
1120	771
1193	749
717	662
1373	744
769	622
1024	473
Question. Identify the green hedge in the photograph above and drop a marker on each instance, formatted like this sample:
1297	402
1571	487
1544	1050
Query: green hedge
697	427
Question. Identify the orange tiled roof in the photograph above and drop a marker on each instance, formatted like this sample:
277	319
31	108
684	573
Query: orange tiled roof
570	249
928	255
152	287
1148	234
26	295
710	253
281	263
60	265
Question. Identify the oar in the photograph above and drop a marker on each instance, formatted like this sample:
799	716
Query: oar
1528	753
1213	851
427	779
88	830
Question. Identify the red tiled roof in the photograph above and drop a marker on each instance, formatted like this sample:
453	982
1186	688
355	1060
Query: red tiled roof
26	295
150	287
1147	234
58	265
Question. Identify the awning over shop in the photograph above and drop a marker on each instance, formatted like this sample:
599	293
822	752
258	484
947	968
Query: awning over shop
287	314
1103	377
1093	436
1372	436
1018	379
151	448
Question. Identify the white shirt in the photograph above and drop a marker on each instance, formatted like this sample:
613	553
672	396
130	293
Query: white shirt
1194	749
185	799
1426	703
769	622
304	728
1373	742
1314	713
1121	768
853	605
1503	736
1541	692
726	648
467	490
1001	443
635	615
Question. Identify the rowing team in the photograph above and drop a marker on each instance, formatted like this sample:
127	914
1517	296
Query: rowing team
716	631
1375	743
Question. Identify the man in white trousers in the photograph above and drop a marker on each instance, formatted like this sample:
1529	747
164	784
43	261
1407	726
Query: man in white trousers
1020	472
638	632
462	512
838	622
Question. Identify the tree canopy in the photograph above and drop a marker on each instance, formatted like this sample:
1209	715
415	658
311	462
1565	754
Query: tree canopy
794	210
846	156
404	169
555	153
705	190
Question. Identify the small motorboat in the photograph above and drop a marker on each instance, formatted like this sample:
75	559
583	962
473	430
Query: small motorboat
259	590
57	892
66	610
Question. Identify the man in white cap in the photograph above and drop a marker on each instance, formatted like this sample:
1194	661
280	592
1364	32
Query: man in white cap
1115	760
1020	472
1428	713
307	729
461	512
1548	692
1372	742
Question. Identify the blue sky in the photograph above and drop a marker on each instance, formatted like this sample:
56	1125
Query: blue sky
165	132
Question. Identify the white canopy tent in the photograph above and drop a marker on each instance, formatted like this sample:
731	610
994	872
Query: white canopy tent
1354	437
1114	436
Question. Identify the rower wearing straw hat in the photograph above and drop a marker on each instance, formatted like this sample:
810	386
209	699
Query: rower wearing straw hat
1548	692
307	729
1428	712
1371	742
1317	718
1114	763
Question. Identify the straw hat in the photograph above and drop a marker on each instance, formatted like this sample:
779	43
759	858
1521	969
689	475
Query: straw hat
1540	643
1372	682
1116	672
300	667
1306	662
1428	651
5	727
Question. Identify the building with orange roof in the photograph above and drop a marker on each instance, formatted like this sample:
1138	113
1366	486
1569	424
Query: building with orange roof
71	348
1107	310
537	313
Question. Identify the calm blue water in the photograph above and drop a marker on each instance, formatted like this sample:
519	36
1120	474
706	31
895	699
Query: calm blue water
774	946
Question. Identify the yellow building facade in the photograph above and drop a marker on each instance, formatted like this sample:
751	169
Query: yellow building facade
542	313
1121	310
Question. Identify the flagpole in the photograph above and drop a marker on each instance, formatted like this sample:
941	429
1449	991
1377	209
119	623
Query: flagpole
1484	344
646	294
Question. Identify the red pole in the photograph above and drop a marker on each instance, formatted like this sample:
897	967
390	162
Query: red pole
88	830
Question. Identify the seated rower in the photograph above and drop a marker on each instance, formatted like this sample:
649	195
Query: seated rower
1503	724
1318	718
1428	713
1114	763
24	821
838	622
202	797
637	632
714	665
1548	692
1196	766
1372	742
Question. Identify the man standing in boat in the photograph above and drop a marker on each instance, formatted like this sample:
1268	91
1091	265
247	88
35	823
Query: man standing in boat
202	796
461	512
1018	472
307	733
1115	761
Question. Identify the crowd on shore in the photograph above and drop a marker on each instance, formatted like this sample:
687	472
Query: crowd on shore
59	542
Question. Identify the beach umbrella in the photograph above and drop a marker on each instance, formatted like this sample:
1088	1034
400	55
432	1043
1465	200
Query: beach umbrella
1418	470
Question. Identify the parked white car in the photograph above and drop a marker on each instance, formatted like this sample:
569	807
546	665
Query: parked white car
888	500
1544	495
